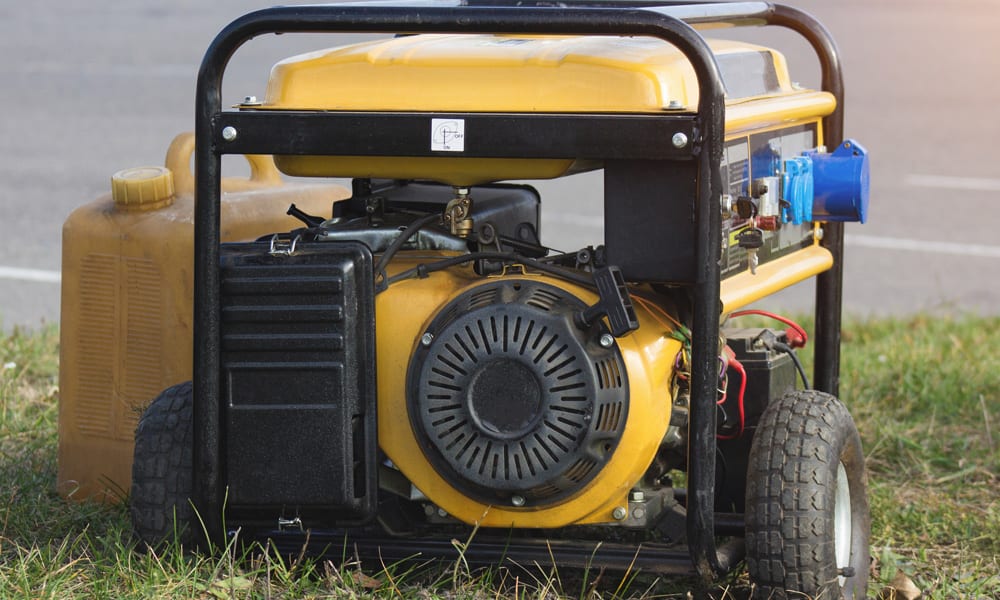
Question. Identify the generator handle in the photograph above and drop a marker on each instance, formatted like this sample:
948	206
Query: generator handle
830	283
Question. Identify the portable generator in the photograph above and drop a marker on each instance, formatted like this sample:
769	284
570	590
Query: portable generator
416	364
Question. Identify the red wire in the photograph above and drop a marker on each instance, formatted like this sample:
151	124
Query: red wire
738	367
795	326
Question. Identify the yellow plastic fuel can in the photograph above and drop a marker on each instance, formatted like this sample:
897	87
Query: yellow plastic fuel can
127	288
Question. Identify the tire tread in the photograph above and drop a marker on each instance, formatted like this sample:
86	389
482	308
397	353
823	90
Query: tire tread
162	470
789	502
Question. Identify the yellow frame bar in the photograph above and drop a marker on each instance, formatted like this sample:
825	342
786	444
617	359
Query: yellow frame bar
746	287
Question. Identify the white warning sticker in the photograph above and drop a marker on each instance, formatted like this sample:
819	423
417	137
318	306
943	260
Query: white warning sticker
448	135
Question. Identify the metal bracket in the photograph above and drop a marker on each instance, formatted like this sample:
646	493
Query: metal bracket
281	247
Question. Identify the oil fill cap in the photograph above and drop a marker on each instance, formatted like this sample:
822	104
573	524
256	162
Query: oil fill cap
143	188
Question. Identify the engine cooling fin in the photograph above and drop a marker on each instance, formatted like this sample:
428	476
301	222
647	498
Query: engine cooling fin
512	402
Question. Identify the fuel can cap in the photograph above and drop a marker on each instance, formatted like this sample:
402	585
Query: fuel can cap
143	188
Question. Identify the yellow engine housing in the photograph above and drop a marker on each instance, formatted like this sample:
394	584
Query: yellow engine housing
404	312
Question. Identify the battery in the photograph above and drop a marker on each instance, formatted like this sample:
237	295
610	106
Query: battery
770	373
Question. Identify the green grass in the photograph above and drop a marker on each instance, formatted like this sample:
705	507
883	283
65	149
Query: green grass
924	391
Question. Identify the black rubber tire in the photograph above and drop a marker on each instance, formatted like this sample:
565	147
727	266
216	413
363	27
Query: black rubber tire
161	511
800	442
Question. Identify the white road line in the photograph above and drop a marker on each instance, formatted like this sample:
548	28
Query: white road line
36	275
887	243
948	182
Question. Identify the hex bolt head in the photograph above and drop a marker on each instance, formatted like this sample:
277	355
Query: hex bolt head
517	500
675	105
229	133
638	496
607	340
619	513
679	140
426	339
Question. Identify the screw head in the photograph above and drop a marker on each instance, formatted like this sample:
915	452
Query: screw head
426	339
675	105
250	100
517	500
229	133
607	340
619	513
679	140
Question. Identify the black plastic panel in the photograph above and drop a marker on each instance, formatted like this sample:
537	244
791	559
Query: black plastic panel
298	379
649	215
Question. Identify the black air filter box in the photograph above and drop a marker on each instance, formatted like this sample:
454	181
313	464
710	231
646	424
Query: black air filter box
298	380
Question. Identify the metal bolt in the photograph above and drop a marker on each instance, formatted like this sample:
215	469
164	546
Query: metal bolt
607	340
428	509
517	500
619	513
229	133
426	339
679	140
819	233
638	496
250	100
442	513
675	105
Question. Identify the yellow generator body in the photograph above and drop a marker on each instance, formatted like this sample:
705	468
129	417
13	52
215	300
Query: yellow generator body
127	284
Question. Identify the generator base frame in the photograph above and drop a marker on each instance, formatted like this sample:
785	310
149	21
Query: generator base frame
596	136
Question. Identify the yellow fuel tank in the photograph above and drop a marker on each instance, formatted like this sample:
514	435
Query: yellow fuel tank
127	287
520	74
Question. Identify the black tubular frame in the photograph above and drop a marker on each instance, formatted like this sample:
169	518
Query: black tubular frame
671	22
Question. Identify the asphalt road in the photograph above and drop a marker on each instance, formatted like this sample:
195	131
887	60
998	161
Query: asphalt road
92	88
